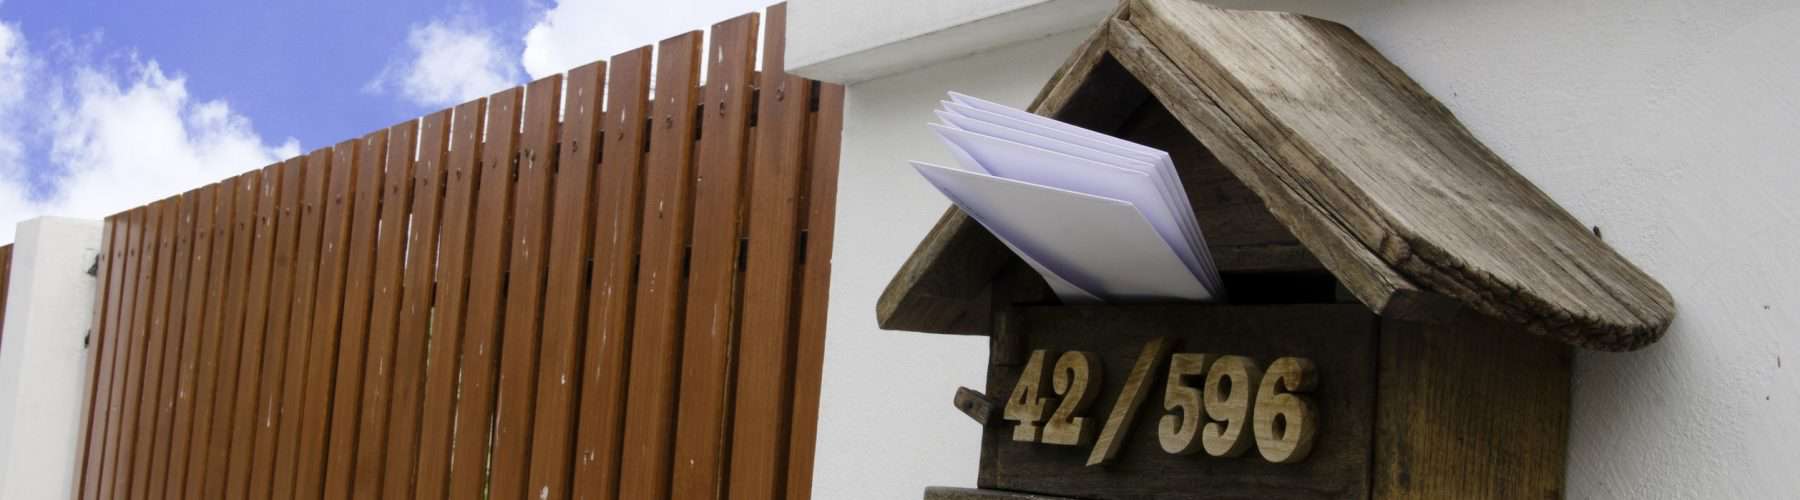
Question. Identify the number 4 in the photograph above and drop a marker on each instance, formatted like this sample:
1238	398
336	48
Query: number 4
1023	405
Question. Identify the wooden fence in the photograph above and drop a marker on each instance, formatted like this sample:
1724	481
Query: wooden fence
626	303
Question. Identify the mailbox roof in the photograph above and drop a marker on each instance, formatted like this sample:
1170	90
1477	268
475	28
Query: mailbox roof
1372	175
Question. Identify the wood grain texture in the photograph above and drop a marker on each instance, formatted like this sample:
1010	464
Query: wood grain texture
1125	408
709	336
310	226
764	396
815	285
125	320
247	192
155	350
1340	338
565	287
384	310
437	409
245	416
337	252
1379	157
212	347
487	268
1469	409
100	351
414	328
979	407
352	333
195	338
618	199
175	349
275	344
517	377
135	430
667	215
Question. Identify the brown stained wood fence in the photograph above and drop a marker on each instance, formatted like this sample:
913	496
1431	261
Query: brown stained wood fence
538	294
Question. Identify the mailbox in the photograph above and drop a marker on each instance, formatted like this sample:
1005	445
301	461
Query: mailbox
1400	305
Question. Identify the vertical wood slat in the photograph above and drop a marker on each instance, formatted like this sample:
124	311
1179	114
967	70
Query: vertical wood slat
487	274
618	201
94	428
436	409
668	200
525	291
288	405
760	431
123	318
194	339
815	287
286	236
174	337
5	284
353	332
244	228
244	417
150	403
709	336
143	304
336	254
415	308
565	289
390	252
215	338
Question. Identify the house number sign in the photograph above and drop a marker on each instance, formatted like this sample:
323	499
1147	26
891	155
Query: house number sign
1218	404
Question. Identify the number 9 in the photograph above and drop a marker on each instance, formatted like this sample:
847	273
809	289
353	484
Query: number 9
1230	388
1285	423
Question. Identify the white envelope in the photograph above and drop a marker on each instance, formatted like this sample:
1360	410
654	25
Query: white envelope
1096	244
1031	164
1033	130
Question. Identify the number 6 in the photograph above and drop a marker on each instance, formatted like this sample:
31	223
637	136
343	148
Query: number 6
1285	423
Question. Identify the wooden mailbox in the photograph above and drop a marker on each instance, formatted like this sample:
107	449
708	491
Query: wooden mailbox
1402	302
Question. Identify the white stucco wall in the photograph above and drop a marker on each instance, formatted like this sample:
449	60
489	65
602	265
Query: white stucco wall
1670	124
886	427
43	364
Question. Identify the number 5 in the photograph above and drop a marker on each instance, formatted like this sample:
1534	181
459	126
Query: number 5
1177	432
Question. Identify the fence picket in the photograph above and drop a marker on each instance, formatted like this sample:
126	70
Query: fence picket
764	390
215	338
487	275
617	201
415	307
353	333
436	410
709	336
384	308
172	307
115	426
809	349
194	337
668	200
335	257
565	293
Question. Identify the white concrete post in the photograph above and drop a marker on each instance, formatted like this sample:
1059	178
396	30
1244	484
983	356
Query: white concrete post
43	362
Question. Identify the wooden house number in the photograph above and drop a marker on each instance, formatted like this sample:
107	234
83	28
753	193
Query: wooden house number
1237	404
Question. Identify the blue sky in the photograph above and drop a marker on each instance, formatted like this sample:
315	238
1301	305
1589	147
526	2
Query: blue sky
105	105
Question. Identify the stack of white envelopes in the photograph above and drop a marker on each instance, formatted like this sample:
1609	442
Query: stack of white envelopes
1102	219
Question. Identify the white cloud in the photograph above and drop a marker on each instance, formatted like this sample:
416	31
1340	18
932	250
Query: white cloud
577	32
99	138
448	62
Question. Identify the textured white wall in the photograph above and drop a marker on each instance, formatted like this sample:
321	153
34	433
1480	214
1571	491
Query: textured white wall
1670	124
43	365
886	427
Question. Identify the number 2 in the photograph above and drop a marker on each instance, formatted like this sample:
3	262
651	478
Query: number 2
1075	374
